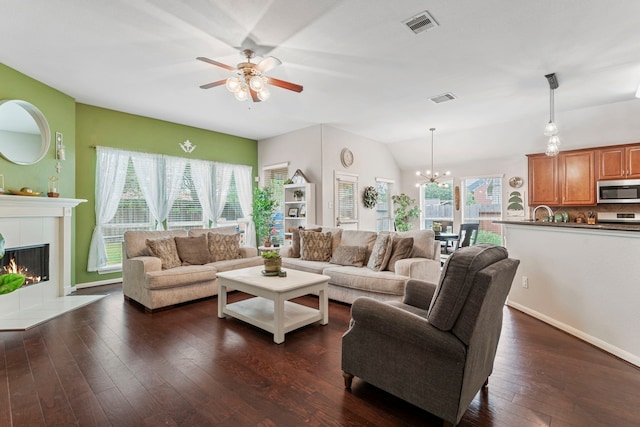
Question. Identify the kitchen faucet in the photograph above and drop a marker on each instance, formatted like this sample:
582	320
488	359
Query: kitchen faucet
549	211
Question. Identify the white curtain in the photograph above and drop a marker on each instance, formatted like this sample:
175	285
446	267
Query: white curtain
147	167
202	172
160	179
111	172
224	172
244	187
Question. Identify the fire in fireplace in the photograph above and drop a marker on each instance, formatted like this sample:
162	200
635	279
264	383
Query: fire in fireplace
32	261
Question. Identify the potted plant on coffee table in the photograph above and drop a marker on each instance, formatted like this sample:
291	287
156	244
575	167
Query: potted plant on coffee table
272	261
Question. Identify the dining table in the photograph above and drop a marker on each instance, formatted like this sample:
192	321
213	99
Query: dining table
446	238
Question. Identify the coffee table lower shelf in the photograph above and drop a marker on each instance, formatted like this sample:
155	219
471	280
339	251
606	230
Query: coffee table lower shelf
260	312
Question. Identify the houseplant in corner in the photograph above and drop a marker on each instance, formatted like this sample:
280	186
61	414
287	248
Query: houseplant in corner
405	210
272	262
11	281
263	209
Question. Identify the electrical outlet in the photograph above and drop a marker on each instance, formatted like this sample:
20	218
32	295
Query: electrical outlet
525	282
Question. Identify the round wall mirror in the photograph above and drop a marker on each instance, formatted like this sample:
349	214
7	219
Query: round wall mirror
24	132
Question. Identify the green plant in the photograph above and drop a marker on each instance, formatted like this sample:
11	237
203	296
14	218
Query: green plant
11	281
263	209
405	210
288	181
298	194
270	254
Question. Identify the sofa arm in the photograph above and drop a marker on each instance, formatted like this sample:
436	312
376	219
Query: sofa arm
419	268
399	324
134	270
285	251
248	252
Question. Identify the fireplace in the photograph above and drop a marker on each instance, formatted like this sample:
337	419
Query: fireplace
31	261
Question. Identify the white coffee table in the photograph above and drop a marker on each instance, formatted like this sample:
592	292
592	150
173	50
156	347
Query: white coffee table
271	309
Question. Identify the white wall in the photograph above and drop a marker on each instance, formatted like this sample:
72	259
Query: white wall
316	152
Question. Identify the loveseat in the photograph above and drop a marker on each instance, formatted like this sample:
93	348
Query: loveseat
164	268
365	263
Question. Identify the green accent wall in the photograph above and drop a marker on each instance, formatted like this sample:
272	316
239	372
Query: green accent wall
84	127
60	112
101	127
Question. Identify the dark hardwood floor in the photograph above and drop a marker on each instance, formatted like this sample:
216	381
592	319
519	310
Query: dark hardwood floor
109	363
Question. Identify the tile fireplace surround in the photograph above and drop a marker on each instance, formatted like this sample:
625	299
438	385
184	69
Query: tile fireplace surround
26	221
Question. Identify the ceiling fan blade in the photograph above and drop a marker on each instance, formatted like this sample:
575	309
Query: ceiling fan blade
285	85
268	63
254	95
213	84
216	63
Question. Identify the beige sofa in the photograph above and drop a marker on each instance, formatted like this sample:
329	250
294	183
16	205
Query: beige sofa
347	282
146	282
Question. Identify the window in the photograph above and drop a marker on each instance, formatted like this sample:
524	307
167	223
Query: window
384	210
274	177
186	211
436	204
232	210
482	203
346	198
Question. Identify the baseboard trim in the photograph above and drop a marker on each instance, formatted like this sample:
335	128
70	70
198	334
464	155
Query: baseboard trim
98	283
618	352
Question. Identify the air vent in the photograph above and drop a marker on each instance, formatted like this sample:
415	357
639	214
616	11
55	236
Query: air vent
420	22
442	98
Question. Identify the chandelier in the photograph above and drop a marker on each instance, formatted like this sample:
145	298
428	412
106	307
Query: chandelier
551	129
431	176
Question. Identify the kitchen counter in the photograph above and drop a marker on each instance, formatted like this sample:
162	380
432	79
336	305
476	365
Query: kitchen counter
597	226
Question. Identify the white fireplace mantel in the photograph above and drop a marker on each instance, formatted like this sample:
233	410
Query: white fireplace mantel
34	220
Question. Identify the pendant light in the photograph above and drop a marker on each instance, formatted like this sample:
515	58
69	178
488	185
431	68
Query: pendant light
551	129
431	176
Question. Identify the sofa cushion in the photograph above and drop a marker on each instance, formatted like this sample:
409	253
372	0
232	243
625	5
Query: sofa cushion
349	255
180	276
295	241
336	235
135	242
456	282
223	246
381	252
193	250
401	249
315	246
359	238
309	266
165	249
365	279
234	264
423	243
227	229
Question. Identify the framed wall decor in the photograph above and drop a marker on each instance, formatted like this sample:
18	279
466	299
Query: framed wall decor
293	212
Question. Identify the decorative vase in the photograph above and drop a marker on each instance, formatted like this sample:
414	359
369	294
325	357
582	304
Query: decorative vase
273	265
267	242
437	228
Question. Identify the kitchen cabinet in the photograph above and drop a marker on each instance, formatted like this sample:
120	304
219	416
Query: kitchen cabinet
619	162
566	180
299	207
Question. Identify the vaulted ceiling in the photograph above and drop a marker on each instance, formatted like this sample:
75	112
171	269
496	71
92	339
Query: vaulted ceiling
362	69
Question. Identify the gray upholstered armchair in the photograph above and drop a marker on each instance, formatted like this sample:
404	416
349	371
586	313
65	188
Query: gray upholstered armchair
436	348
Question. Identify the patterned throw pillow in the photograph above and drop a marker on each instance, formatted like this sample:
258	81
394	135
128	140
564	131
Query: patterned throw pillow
401	249
165	249
381	252
349	255
224	246
315	246
193	250
295	241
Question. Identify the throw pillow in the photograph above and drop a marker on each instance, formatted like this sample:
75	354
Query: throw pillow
165	249
315	246
193	250
381	252
295	241
224	246
349	255
401	249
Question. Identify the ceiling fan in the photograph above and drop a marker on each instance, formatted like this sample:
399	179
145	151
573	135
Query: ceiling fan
249	79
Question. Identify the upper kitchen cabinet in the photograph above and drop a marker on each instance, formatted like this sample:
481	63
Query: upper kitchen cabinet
619	162
565	180
543	180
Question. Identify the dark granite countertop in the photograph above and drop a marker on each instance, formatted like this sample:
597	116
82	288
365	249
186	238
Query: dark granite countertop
597	226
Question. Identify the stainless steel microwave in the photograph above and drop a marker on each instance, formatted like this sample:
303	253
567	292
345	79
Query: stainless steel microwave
619	191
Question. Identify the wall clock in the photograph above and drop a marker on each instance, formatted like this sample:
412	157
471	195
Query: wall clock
346	157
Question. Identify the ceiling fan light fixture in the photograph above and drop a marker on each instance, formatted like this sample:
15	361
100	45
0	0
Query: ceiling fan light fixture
241	95
264	94
256	83
233	84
